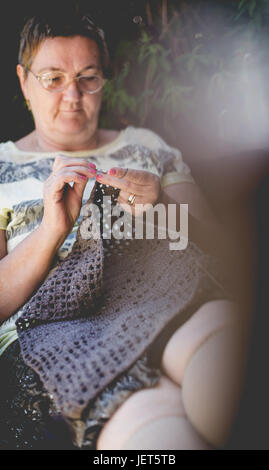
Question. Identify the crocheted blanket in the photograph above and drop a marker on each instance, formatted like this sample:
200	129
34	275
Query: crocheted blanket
104	304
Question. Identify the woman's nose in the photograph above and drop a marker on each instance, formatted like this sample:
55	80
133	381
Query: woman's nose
72	91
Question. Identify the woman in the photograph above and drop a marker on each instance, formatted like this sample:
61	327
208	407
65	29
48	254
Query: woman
62	69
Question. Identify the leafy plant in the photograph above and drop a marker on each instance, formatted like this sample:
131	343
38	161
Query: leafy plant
185	57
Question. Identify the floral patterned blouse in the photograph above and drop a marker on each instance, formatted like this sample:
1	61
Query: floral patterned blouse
22	174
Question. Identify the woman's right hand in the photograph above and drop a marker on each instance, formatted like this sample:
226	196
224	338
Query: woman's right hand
25	267
62	203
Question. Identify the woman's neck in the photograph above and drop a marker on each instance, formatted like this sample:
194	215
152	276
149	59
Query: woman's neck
31	142
38	143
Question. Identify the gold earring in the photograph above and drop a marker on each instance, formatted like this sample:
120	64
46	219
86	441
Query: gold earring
28	105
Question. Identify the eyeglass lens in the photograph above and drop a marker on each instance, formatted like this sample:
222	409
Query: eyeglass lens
57	82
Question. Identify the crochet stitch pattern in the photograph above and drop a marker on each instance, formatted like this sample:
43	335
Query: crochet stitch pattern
103	306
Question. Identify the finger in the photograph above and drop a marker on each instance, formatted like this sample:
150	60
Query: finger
89	172
142	177
118	172
126	207
120	183
58	182
124	196
79	187
64	161
137	208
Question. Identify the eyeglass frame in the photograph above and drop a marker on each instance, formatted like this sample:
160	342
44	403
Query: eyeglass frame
39	78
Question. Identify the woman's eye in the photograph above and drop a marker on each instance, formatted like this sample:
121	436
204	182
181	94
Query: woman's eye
53	80
89	79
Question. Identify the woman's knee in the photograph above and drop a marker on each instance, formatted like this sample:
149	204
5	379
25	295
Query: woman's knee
186	340
212	383
140	408
166	432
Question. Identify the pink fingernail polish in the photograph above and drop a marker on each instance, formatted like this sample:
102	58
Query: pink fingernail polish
83	177
112	171
92	165
99	176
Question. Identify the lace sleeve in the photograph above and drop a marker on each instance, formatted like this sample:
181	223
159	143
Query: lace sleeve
175	170
171	167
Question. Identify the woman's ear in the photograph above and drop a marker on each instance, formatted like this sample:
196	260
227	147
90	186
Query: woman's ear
22	79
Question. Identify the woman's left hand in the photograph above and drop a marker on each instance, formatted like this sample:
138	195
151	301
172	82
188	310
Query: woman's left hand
144	185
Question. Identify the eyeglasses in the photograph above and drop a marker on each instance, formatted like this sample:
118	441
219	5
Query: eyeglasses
58	81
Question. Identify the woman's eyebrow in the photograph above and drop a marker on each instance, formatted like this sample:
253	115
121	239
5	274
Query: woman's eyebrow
50	69
58	69
89	67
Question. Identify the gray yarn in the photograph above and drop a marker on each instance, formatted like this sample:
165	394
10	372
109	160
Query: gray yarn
104	305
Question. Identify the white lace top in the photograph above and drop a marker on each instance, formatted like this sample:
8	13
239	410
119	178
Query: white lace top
22	174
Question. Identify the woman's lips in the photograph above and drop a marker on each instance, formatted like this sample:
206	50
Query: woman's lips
71	110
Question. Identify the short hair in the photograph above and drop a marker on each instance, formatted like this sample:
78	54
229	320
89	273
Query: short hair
40	27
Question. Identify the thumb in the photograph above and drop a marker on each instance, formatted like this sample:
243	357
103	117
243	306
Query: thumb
79	188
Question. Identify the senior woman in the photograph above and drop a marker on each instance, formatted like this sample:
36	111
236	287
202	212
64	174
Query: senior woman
63	66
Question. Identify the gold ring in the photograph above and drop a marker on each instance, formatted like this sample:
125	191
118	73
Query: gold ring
131	199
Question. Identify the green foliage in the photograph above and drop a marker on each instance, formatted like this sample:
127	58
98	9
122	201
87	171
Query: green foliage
183	52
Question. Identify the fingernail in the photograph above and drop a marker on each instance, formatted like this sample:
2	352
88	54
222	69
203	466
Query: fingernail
99	176
112	171
93	170
92	165
83	177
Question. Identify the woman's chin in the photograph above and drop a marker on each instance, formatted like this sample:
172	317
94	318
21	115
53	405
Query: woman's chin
71	124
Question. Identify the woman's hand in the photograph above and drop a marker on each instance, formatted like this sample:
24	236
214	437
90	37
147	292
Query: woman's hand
144	185
62	203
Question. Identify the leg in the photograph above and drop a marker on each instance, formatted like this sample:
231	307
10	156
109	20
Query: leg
211	386
184	342
153	418
203	357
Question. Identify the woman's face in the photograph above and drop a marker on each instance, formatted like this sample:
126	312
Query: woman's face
69	116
